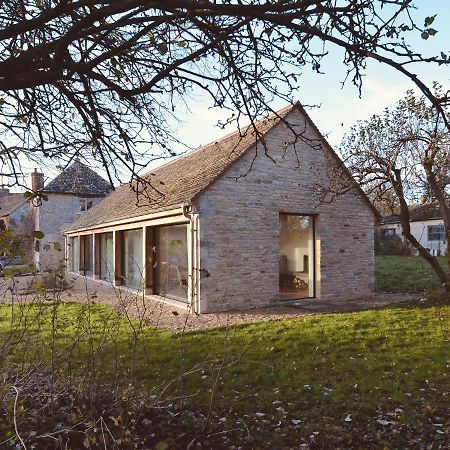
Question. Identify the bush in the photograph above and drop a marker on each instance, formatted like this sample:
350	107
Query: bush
391	245
55	279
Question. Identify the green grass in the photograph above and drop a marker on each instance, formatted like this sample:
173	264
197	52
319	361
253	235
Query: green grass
371	379
317	369
405	274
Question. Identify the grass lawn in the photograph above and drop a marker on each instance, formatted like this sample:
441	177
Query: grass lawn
405	274
372	379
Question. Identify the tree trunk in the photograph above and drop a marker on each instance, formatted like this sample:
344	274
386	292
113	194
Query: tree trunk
443	276
442	200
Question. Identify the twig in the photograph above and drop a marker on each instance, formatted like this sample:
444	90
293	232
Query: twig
15	417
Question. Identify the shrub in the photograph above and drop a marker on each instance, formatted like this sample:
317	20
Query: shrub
391	245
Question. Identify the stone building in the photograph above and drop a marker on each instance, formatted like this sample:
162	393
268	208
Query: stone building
73	192
235	224
13	209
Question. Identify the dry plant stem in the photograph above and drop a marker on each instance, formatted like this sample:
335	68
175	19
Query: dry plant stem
216	378
15	418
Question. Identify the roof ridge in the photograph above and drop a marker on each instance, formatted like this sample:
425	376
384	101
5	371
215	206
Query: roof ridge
273	116
78	178
185	177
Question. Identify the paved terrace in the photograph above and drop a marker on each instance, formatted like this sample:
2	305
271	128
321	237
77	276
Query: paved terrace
173	318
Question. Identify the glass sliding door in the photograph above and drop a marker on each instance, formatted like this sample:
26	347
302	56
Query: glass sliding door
106	257
133	264
171	262
297	256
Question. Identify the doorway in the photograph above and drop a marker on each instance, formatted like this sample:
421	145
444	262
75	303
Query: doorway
297	256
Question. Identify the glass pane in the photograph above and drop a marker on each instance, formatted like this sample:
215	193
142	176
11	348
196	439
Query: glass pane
74	254
171	262
296	258
88	249
70	254
133	258
106	257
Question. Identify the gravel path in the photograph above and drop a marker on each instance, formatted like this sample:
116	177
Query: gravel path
175	319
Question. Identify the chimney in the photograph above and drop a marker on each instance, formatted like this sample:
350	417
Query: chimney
37	180
423	199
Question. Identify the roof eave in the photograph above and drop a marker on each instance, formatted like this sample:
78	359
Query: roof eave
172	211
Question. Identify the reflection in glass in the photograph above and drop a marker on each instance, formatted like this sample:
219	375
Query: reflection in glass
296	258
171	262
74	254
88	242
133	258
106	257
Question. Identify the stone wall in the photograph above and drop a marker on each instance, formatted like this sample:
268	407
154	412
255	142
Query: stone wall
239	225
52	217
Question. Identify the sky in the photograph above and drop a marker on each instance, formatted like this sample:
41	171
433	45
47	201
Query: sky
340	107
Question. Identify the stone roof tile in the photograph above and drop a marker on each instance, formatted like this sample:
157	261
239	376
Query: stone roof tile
417	213
78	179
179	181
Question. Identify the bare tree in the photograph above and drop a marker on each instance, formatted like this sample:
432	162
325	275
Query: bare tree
102	78
400	155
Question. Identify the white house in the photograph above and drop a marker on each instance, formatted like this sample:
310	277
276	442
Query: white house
427	226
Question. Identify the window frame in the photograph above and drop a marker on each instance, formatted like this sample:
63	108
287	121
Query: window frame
314	251
85	204
436	235
387	232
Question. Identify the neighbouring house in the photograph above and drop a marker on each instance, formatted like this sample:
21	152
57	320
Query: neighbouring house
15	215
13	209
73	192
235	224
427	226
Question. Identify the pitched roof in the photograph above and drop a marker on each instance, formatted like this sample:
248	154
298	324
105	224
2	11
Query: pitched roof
10	202
417	213
177	181
181	180
78	179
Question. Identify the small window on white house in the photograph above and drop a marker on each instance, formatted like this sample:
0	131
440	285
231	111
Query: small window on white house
388	231
85	204
436	233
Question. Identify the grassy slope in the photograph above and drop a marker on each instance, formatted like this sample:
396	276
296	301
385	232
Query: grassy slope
317	369
404	274
390	365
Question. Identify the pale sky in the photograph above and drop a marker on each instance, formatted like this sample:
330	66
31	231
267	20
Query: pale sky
340	107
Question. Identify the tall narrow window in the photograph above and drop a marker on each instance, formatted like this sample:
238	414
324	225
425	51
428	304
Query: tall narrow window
106	257
74	254
296	258
133	263
171	262
86	251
